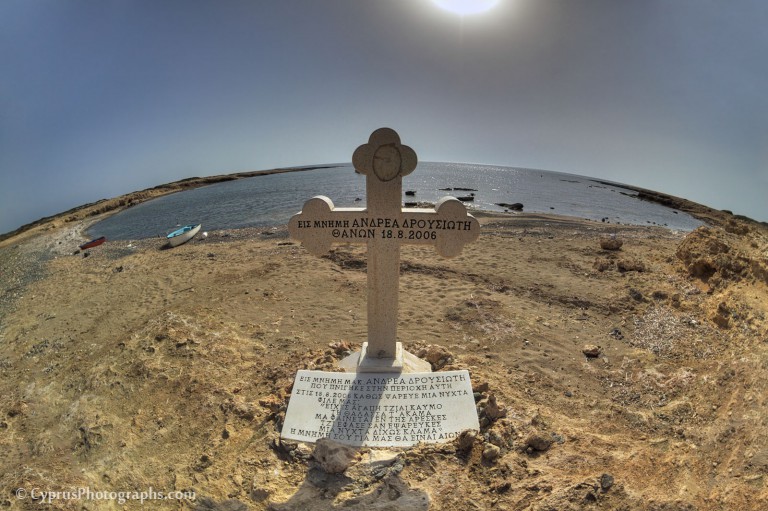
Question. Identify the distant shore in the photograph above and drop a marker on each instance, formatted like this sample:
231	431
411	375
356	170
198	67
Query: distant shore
127	200
110	206
704	213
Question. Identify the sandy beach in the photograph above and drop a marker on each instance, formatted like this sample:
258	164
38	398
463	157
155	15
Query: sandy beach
626	379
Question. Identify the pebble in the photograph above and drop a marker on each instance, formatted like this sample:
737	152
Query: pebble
493	410
538	442
591	350
491	453
606	481
466	440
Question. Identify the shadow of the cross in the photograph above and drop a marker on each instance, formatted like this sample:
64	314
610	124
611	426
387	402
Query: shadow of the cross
319	492
360	410
358	421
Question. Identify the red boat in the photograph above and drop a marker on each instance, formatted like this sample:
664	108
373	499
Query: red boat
93	243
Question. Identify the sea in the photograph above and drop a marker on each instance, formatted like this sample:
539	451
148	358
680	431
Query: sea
270	200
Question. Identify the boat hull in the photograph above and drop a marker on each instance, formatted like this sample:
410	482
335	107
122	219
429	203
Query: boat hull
93	243
183	235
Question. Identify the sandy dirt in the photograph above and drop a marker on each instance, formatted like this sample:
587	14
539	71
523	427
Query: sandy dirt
605	379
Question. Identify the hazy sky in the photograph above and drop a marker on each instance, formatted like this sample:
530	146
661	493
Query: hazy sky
101	98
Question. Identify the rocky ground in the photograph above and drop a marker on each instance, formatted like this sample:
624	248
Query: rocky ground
606	377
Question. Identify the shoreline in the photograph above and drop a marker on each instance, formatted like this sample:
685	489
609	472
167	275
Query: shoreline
121	202
706	214
104	208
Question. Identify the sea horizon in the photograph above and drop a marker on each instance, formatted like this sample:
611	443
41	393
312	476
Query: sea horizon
269	198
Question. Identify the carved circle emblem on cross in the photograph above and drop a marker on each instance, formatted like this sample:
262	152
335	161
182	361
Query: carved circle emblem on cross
384	156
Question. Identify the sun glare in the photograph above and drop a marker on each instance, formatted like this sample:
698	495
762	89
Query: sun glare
466	6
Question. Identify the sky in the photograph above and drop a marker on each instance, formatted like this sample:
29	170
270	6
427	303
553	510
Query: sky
102	98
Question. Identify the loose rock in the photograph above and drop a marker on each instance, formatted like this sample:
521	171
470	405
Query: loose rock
606	481
333	457
625	265
436	355
538	442
611	243
493	410
340	347
602	265
466	440
491	453
591	350
208	504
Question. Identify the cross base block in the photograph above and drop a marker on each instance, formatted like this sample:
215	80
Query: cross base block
403	362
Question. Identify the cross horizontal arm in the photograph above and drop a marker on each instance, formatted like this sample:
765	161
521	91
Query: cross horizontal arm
448	227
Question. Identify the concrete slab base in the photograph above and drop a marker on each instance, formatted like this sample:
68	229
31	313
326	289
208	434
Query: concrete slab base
403	362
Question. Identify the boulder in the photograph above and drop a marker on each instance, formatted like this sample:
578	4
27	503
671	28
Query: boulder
611	243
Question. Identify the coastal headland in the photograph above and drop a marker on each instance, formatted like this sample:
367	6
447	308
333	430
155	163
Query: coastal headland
606	376
114	205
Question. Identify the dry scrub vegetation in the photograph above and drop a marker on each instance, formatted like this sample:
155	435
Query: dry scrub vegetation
623	379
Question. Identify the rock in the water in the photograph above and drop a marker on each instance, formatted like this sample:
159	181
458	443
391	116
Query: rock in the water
515	206
333	457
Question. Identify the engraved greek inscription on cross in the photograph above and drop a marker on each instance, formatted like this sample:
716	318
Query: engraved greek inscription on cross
383	225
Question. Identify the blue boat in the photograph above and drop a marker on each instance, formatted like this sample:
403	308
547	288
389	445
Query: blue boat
183	235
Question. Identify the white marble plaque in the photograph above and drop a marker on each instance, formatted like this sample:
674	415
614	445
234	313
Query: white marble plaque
380	409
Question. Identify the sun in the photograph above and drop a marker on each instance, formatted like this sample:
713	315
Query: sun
466	6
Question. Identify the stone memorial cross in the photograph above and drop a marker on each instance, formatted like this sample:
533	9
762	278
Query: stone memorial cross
383	225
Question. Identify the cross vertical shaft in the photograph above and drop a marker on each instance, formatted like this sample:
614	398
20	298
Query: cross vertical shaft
383	225
383	200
